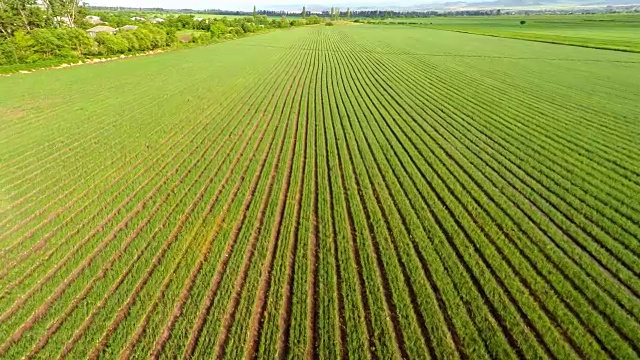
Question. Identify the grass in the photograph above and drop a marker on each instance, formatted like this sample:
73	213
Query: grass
613	31
363	191
187	35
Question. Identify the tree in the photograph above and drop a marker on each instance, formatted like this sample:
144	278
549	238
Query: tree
304	12
254	11
283	22
143	37
218	29
522	22
348	13
24	45
109	44
78	40
313	19
62	9
248	27
19	15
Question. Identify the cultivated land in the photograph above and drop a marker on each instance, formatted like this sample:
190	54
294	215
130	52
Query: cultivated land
608	31
326	192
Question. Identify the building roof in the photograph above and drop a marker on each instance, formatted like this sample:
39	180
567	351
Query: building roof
129	27
94	21
97	29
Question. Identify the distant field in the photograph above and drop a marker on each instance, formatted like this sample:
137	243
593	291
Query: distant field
206	16
187	35
386	192
615	31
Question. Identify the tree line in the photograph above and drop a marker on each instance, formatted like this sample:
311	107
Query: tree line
56	31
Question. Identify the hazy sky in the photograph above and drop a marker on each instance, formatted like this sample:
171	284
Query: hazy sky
235	4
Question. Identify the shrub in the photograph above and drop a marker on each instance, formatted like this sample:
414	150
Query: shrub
203	38
313	20
248	27
283	23
159	38
329	23
144	39
78	41
522	22
130	39
8	52
46	44
235	31
218	29
108	44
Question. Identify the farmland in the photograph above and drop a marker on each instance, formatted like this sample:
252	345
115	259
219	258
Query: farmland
603	31
377	192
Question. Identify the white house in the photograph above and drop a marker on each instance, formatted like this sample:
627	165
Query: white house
137	18
98	29
92	19
157	20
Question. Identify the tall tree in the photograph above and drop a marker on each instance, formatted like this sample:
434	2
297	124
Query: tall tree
304	12
254	11
62	9
348	13
19	15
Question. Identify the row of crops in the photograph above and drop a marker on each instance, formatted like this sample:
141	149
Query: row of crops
353	191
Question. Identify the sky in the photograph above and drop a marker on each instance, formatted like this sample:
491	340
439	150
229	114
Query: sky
239	4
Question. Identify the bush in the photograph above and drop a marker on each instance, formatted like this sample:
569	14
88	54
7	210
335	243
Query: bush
78	41
522	22
248	27
329	23
159	38
235	31
47	45
313	20
218	29
283	24
130	39
8	52
144	39
109	44
202	38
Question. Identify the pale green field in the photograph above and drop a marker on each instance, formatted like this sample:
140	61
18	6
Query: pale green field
607	31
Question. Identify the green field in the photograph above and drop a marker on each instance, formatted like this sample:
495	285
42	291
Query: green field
216	16
325	192
605	31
